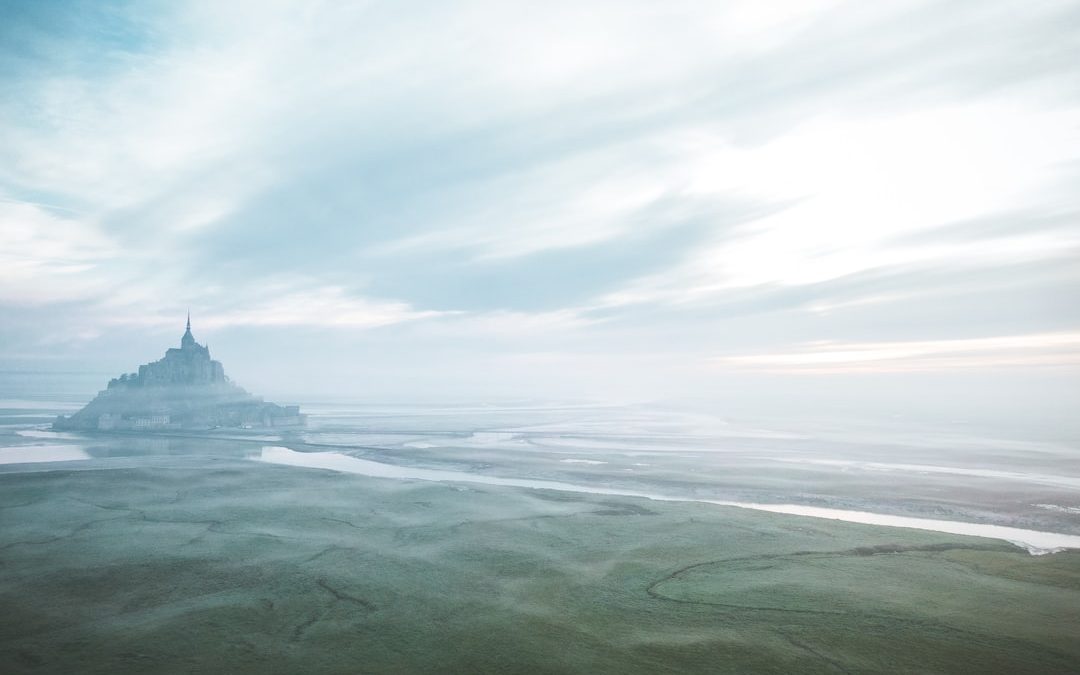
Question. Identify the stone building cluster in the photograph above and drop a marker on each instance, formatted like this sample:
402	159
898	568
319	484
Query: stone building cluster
186	389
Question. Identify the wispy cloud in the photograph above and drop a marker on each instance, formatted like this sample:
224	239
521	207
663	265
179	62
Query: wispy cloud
47	256
658	183
856	187
328	306
281	305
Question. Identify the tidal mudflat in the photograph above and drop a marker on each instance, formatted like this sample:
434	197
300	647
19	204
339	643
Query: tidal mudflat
244	567
133	554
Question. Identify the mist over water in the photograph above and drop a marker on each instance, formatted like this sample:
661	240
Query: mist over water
955	471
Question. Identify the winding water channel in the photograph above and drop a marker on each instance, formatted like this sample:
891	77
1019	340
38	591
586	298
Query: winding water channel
1034	541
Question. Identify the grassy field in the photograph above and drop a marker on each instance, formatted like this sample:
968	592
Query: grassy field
232	566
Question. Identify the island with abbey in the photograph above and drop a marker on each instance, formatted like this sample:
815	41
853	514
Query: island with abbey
185	389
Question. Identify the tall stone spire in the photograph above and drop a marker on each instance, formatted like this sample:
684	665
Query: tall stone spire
188	340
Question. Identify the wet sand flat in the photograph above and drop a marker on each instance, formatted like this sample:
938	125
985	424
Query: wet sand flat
227	565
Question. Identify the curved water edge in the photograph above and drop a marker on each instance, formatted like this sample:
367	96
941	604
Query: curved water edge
33	454
1034	541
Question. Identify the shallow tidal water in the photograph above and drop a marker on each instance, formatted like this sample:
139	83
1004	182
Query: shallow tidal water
1036	543
538	539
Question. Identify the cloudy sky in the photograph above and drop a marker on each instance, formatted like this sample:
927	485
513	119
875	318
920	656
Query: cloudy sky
622	200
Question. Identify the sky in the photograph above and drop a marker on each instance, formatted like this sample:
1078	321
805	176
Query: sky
786	203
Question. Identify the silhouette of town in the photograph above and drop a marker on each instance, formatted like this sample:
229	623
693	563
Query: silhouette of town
185	389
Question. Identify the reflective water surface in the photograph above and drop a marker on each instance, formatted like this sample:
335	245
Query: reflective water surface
944	479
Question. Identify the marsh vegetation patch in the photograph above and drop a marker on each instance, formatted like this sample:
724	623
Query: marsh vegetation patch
963	590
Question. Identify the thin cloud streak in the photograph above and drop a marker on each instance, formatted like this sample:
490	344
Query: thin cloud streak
1047	349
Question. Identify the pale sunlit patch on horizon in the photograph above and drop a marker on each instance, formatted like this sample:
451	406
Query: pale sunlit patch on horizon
1042	350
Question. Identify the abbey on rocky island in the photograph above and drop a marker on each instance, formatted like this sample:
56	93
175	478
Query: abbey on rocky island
185	389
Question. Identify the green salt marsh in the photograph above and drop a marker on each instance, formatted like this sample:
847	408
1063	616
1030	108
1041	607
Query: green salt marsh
182	564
